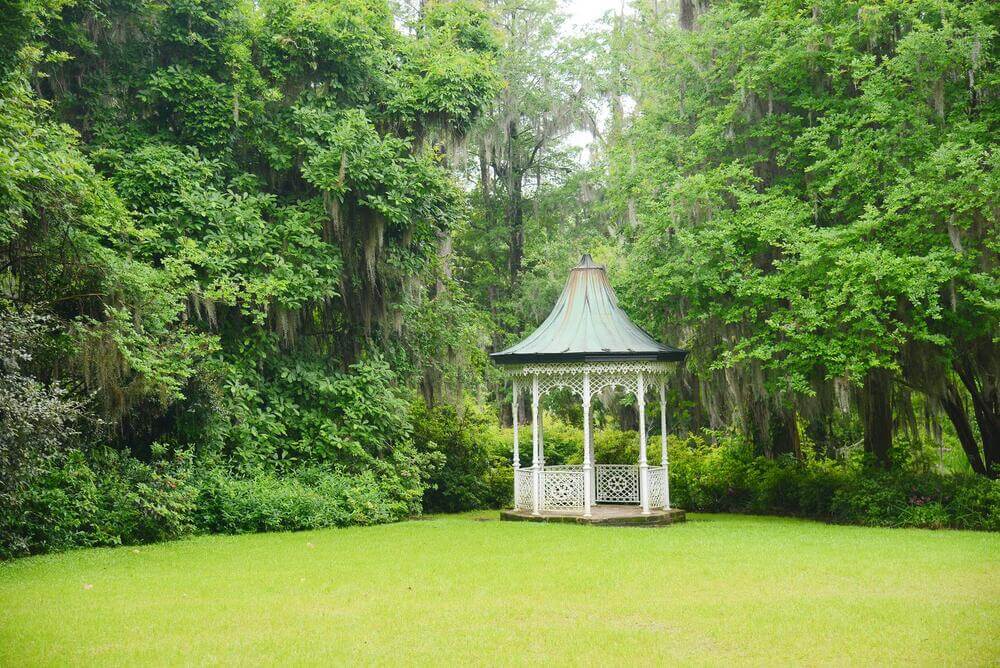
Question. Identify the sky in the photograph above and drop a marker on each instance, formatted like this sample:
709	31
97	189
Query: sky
580	13
587	11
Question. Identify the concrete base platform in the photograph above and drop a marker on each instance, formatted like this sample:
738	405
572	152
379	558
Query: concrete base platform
603	515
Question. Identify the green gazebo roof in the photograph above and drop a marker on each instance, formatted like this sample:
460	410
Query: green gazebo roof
586	324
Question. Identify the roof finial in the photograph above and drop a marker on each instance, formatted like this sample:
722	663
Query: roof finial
586	261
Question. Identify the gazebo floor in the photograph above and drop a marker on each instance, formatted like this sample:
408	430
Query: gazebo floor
602	515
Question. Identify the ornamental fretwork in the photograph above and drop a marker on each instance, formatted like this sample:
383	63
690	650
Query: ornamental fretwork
603	375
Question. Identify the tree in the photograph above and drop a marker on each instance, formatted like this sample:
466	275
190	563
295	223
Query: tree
269	193
796	217
518	140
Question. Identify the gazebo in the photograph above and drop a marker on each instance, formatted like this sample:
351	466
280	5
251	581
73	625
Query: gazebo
588	344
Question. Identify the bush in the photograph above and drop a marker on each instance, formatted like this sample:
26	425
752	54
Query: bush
460	461
473	462
613	446
312	449
726	477
104	498
37	420
561	441
303	413
310	500
721	473
563	444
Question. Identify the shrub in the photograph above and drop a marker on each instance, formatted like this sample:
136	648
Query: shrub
613	446
974	503
106	498
37	420
312	499
868	500
562	442
473	461
725	476
303	413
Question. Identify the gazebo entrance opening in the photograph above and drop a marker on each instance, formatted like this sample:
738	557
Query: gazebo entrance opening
586	345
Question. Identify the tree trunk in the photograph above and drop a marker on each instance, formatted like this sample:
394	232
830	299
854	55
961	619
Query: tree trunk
785	436
690	11
876	414
773	429
758	426
952	404
687	14
986	408
485	182
428	387
820	430
515	223
628	417
444	253
906	418
506	414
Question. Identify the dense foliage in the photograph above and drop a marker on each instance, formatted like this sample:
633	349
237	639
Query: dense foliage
228	216
730	478
723	473
475	470
817	184
253	255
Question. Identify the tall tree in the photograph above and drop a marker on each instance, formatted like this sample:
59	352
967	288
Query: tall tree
798	215
518	140
273	169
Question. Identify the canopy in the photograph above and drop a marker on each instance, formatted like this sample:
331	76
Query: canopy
586	324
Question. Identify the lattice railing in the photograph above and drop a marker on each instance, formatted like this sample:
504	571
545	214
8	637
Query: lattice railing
523	488
562	490
564	467
617	483
657	488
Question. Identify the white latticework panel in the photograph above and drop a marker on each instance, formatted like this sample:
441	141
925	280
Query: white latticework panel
623	375
564	467
649	367
523	500
657	488
627	381
617	483
562	490
571	380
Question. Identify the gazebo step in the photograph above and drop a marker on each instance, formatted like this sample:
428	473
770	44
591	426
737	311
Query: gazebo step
604	515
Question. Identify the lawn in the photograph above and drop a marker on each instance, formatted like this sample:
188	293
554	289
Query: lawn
467	588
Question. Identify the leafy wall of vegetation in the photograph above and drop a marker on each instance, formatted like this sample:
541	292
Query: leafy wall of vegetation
220	225
253	255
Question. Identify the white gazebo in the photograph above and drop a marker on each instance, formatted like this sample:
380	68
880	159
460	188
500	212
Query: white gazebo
586	345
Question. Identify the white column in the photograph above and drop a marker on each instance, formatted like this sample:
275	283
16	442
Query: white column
536	474
587	463
640	395
593	460
663	446
541	432
517	452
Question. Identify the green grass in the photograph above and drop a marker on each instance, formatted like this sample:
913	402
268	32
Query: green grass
719	589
